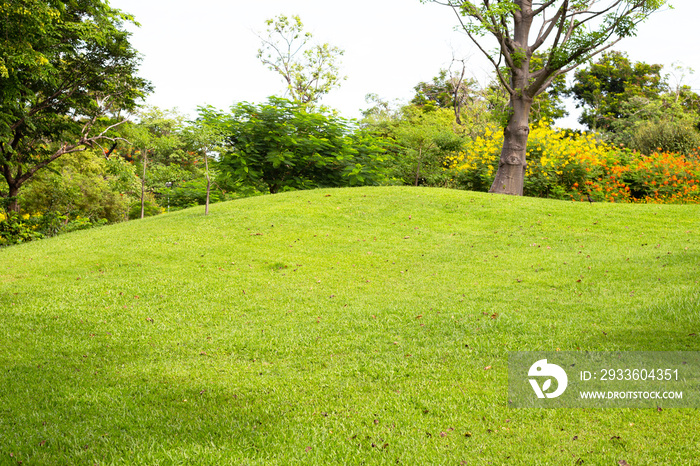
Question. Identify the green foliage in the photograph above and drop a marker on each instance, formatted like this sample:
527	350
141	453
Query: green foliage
424	138
666	136
164	149
309	70
16	228
150	208
546	106
549	104
607	85
20	228
190	193
284	145
449	90
68	69
84	185
635	106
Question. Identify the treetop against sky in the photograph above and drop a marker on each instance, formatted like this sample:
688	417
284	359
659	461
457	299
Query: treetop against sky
390	46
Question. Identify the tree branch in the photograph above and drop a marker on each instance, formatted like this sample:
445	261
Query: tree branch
496	65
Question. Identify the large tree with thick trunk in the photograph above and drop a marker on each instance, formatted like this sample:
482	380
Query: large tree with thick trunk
567	33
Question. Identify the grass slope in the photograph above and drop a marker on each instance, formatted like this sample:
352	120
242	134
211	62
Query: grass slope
341	326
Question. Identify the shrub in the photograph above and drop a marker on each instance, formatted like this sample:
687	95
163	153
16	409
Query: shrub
191	193
15	229
567	165
150	208
553	160
665	136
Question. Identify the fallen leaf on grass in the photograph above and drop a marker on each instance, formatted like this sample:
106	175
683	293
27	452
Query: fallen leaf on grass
487	368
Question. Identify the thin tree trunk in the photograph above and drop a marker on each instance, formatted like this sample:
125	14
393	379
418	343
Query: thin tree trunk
510	177
206	165
420	159
143	183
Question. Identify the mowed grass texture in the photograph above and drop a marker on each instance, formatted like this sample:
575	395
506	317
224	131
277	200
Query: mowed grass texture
345	326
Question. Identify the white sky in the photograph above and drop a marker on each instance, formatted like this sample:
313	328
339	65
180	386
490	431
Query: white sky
204	52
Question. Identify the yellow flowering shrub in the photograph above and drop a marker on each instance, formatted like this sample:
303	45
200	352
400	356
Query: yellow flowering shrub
564	164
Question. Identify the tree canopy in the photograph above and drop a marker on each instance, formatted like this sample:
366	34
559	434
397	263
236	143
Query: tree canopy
634	104
309	70
67	70
606	85
283	145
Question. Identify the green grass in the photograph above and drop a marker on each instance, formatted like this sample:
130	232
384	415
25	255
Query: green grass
341	326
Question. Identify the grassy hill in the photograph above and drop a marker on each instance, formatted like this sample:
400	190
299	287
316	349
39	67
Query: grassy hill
358	326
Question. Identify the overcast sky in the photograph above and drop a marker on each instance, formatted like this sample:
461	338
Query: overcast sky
204	52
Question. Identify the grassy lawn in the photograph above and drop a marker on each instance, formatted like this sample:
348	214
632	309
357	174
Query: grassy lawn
357	326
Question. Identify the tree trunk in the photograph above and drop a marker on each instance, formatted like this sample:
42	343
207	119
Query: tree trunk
510	177
206	164
143	184
420	159
13	205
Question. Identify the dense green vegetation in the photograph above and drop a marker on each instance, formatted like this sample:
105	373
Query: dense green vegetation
642	147
363	325
328	313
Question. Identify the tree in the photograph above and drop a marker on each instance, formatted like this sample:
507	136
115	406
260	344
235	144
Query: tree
203	139
67	70
448	89
633	104
282	145
155	139
474	106
310	70
573	31
166	147
85	186
426	138
547	106
607	85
